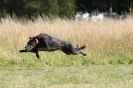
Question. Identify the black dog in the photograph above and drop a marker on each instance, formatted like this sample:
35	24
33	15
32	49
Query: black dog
44	42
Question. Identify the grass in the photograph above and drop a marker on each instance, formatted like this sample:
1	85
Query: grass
107	42
119	76
108	64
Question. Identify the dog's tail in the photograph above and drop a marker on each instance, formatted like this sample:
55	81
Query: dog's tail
80	48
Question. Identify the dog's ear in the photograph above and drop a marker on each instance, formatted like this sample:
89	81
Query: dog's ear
36	40
30	37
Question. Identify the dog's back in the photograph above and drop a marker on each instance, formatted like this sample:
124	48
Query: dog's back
44	36
51	42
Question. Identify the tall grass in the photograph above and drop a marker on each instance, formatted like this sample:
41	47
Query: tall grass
107	42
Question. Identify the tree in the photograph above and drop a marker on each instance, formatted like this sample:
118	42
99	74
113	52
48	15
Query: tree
67	8
62	8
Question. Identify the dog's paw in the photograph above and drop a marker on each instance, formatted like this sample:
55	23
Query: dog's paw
22	51
83	47
84	54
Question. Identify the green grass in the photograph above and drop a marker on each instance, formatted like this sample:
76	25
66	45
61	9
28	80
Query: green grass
120	76
59	59
57	70
108	64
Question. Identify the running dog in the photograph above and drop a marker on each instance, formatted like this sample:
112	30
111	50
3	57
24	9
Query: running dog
44	42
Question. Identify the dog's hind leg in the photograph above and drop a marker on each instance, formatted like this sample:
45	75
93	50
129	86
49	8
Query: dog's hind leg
73	50
80	48
82	53
70	49
76	51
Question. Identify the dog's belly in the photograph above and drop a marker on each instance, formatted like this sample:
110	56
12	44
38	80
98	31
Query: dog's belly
46	49
52	45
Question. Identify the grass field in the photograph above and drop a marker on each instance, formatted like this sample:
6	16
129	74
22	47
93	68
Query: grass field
108	64
107	42
120	76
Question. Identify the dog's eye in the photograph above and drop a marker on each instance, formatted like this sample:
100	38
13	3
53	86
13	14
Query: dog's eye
29	43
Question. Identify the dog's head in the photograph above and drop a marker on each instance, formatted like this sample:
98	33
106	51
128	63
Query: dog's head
32	43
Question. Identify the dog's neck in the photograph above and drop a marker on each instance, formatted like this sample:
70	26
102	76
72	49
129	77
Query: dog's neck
37	41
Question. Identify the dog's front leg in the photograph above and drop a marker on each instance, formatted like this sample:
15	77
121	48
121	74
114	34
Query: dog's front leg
37	54
22	51
36	51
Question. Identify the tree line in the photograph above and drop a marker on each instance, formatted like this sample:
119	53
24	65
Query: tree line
61	8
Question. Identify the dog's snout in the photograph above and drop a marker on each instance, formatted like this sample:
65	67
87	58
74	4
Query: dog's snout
26	47
29	47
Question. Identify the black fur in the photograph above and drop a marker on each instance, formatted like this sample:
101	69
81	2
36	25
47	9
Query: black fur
44	42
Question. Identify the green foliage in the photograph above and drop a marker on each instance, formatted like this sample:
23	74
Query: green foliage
30	8
62	8
104	5
66	7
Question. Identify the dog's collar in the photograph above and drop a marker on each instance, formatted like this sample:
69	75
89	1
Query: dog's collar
37	40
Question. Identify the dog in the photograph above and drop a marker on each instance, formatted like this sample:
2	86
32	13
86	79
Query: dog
45	42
